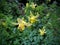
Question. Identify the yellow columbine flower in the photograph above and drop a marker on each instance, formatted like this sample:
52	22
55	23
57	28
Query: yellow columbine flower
32	18
21	24
33	5
42	31
27	4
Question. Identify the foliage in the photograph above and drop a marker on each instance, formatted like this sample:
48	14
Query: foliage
39	25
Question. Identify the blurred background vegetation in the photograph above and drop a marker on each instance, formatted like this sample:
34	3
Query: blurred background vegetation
49	16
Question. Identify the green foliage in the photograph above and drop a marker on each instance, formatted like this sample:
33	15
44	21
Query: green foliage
49	17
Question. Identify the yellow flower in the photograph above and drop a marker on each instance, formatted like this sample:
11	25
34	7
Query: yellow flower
42	31
21	24
32	18
33	5
27	4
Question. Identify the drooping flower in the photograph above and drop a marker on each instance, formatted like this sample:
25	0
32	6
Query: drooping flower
33	18
42	31
21	24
